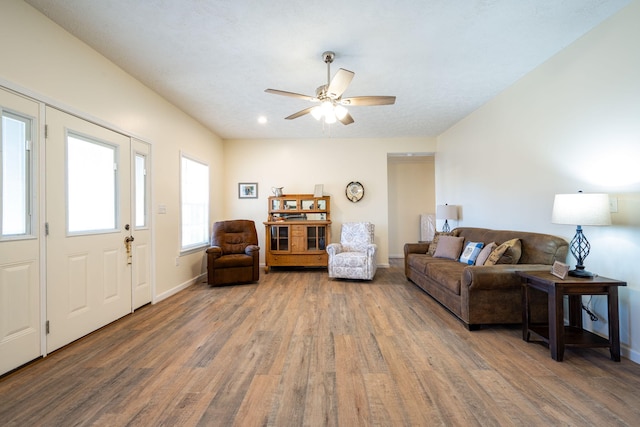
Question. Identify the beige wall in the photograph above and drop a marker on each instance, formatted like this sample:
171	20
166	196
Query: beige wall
412	192
42	60
297	165
572	124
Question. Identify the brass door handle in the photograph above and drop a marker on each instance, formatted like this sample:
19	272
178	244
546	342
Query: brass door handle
127	244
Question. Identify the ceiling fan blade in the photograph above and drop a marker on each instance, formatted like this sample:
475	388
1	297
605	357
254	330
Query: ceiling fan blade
369	100
339	83
347	119
299	113
291	94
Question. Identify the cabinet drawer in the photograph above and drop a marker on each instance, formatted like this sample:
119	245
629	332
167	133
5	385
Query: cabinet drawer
298	230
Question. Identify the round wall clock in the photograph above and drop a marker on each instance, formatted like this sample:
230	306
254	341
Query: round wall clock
354	191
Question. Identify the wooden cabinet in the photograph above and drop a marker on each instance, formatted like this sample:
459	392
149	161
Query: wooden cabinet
298	231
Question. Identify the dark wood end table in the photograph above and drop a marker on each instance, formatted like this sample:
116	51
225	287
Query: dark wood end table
556	333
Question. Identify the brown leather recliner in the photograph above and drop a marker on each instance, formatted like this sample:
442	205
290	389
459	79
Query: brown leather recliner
234	255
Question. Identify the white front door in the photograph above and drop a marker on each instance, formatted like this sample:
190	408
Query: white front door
141	246
88	219
20	325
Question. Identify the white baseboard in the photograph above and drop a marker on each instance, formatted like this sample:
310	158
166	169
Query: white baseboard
178	288
630	354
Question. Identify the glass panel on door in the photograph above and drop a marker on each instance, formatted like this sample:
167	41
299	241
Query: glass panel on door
16	184
91	185
140	190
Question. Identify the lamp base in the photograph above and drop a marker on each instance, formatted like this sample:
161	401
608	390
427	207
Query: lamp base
580	273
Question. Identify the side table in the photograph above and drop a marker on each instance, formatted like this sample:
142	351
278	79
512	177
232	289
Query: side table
556	333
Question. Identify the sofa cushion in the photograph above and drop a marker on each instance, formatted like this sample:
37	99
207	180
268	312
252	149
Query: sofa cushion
471	252
434	243
447	274
449	247
421	262
485	252
507	253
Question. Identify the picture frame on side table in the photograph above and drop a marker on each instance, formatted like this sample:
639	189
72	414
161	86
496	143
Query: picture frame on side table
247	190
560	269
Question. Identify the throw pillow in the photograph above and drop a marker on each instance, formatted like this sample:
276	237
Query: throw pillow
512	254
434	243
511	250
485	252
449	247
471	252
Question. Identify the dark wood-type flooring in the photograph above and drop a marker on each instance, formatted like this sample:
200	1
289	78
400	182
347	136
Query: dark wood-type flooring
298	349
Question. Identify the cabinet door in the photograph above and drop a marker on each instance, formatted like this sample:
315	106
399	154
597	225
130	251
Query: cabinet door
290	204
279	238
308	205
276	204
316	238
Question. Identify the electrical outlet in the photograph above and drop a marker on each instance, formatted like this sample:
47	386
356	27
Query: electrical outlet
177	261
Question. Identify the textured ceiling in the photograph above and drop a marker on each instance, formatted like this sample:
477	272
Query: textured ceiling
442	59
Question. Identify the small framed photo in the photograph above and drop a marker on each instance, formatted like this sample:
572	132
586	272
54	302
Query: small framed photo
560	269
247	190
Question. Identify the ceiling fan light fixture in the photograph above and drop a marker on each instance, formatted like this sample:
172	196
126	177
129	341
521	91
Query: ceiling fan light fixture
340	112
316	112
332	105
327	111
330	118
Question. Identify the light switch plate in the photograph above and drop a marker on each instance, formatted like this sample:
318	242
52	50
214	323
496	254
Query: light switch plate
613	204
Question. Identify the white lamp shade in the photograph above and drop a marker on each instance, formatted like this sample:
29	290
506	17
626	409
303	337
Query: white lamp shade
447	212
581	209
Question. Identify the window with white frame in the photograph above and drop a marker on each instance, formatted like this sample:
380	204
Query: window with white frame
194	201
15	176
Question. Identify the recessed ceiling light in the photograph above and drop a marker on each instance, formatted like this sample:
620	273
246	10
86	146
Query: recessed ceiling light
262	120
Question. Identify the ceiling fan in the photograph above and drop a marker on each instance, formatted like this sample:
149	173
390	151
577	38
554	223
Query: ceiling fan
332	106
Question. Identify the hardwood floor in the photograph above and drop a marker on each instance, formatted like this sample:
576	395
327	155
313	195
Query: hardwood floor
300	349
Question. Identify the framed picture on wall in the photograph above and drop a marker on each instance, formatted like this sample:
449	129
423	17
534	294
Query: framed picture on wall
247	190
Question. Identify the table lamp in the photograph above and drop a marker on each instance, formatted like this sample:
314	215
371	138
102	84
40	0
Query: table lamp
446	212
581	209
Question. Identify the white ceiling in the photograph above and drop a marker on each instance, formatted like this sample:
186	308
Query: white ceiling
442	59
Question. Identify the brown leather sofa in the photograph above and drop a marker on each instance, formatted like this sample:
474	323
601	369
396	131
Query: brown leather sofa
486	294
234	255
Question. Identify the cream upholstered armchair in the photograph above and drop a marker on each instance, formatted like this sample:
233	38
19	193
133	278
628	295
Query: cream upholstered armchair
355	256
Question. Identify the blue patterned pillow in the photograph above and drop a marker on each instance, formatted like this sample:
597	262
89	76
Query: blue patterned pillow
471	252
